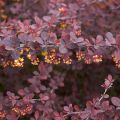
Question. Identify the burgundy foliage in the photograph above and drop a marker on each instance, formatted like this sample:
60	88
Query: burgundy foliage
68	41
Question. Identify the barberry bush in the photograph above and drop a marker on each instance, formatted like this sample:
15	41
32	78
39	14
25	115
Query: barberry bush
59	60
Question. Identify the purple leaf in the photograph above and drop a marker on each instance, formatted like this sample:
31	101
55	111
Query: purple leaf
66	108
44	35
115	101
38	21
36	115
47	18
62	49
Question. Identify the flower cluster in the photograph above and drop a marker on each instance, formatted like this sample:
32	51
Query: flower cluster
60	30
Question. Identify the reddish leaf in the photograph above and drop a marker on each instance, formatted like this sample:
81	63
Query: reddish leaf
36	115
115	101
66	108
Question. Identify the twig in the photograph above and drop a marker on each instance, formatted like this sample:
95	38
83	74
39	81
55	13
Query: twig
71	113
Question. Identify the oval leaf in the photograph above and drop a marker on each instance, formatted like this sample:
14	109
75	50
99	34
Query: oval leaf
115	101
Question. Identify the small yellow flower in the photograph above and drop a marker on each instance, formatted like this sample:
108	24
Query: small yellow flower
44	53
18	62
29	56
35	62
88	61
80	55
97	58
62	9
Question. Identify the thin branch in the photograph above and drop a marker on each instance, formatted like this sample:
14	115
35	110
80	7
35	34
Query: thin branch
72	113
